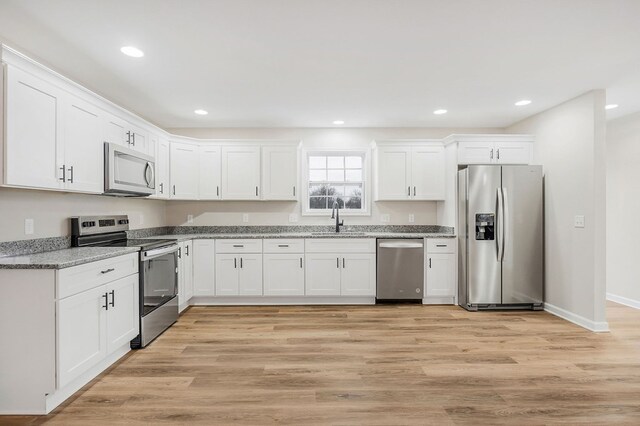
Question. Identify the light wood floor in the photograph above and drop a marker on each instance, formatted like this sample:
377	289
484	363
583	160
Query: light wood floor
369	365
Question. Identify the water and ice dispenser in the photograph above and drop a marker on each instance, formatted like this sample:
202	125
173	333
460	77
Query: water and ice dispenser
485	226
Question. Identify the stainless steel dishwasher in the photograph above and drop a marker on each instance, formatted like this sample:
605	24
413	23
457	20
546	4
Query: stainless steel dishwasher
400	270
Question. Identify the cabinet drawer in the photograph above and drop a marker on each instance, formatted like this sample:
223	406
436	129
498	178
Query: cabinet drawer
335	245
442	245
283	246
79	278
239	246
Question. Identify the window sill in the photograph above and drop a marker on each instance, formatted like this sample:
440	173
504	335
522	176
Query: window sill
343	213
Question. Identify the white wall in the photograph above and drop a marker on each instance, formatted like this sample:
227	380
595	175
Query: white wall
51	211
570	144
277	213
623	205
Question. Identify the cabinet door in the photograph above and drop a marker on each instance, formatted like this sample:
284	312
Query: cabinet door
33	146
441	275
513	152
250	278
358	274
209	179
476	153
139	139
188	270
322	275
203	267
82	328
116	131
162	169
184	171
427	173
240	172
83	146
283	274
393	179
123	315
226	275
181	273
279	173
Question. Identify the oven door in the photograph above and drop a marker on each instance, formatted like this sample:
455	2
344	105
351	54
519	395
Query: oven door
159	280
127	172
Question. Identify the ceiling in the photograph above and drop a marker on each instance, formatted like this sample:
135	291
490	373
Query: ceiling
306	63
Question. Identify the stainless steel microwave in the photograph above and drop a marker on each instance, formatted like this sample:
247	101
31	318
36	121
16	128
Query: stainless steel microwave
128	173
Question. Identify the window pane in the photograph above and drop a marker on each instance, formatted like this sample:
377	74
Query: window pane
335	175
317	175
335	162
353	162
333	190
317	190
317	162
317	202
353	203
353	190
354	175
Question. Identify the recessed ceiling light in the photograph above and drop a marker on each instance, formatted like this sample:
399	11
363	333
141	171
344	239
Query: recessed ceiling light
440	111
611	106
200	112
132	51
523	102
338	122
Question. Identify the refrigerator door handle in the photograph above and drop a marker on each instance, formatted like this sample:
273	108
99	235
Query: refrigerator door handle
505	211
499	229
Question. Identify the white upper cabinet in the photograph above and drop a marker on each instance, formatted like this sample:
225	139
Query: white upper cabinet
163	153
184	170
33	146
393	174
241	172
83	146
280	172
410	172
120	131
493	149
209	156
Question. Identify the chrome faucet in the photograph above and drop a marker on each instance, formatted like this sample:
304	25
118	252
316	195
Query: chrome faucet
335	214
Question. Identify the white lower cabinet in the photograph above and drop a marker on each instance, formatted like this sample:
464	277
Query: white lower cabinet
322	274
204	267
441	269
238	274
358	275
185	273
283	274
123	315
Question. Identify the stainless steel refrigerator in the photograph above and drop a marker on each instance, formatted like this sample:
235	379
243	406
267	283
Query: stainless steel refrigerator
500	237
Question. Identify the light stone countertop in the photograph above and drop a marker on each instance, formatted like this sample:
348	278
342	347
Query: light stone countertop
59	259
205	236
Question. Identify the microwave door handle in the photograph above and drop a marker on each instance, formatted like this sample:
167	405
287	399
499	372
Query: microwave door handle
148	171
147	178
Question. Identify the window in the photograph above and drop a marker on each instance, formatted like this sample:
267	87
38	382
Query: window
336	177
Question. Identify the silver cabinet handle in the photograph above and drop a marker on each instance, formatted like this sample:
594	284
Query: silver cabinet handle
162	187
187	250
300	263
294	191
343	262
71	174
414	191
409	191
491	155
240	262
498	153
235	263
106	301
256	191
128	138
106	271
174	190
217	191
441	245
64	173
134	139
337	262
238	245
283	245
113	298
179	252
429	263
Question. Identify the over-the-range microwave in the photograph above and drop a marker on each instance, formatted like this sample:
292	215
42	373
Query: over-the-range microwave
127	173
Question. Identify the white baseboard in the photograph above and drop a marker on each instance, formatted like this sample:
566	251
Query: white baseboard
281	300
444	300
598	327
624	300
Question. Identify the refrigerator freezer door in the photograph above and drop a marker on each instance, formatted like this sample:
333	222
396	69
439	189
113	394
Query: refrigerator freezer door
522	266
484	271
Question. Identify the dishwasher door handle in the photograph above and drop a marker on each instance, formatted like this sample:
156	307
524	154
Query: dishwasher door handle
401	245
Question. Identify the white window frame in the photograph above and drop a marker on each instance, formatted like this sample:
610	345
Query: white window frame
366	181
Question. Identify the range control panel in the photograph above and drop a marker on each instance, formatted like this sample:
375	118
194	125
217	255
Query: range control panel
90	225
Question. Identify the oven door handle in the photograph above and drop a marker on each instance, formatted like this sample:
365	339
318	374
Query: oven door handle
152	254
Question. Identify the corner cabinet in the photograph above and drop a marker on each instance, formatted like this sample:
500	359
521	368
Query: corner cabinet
414	171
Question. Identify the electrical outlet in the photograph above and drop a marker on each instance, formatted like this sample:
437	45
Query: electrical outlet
578	221
412	218
28	226
189	218
245	217
385	218
293	217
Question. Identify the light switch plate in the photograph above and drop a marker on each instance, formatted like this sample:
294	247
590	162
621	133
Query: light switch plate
28	226
385	218
578	221
189	218
412	218
293	217
245	217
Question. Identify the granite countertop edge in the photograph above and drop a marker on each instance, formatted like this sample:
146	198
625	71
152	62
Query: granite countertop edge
305	235
65	258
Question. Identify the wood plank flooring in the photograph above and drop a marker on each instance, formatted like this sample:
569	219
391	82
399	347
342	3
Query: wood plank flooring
374	365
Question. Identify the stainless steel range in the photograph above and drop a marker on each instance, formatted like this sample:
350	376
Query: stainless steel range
158	270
